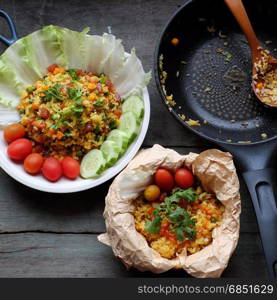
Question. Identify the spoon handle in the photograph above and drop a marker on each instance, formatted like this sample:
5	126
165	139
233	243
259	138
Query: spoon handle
239	12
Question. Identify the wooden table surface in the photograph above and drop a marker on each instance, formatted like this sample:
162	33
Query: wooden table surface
47	235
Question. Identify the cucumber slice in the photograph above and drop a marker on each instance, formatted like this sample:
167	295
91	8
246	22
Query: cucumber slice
93	164
129	124
120	138
134	104
111	151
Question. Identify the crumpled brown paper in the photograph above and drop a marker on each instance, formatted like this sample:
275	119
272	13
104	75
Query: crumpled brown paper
216	171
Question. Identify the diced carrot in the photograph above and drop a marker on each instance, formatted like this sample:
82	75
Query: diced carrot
259	85
35	106
52	131
92	96
175	42
59	134
118	113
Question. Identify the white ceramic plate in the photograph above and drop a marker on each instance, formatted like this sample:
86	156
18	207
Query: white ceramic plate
68	186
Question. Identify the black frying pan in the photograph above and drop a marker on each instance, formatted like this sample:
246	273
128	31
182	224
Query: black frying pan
209	76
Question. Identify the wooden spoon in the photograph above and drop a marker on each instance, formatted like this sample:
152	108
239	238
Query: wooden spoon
239	12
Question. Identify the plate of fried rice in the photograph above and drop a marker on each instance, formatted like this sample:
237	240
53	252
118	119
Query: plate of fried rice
74	93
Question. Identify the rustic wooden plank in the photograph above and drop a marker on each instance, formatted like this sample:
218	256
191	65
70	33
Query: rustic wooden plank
81	255
24	209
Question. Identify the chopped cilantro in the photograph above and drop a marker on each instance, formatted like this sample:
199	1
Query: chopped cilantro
30	89
54	126
79	153
112	124
74	93
77	109
53	93
182	224
55	117
154	226
72	73
99	103
213	220
97	129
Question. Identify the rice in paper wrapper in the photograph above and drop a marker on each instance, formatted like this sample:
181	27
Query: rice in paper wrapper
216	171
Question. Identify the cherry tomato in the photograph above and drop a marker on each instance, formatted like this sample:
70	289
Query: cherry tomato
52	169
51	68
152	193
13	132
33	163
71	167
184	178
19	149
164	179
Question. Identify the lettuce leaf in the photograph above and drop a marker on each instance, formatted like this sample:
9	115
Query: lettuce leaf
26	61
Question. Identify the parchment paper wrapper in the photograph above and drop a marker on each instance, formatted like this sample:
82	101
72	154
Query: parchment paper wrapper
216	171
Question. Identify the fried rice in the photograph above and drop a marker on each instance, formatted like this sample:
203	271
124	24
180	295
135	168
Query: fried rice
206	211
69	112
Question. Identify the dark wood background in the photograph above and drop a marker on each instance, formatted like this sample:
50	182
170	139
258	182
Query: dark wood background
46	235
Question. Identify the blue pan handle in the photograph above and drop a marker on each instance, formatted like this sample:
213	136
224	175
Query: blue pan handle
11	24
262	187
257	164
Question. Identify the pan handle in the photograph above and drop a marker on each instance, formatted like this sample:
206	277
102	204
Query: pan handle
257	163
12	27
262	188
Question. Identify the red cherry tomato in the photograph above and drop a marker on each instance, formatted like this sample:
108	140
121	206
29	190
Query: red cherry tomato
13	132
19	149
33	163
164	179
51	68
184	178
52	169
71	167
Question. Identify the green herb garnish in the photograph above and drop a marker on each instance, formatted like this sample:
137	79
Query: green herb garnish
77	109
182	224
30	89
55	126
53	93
112	124
74	93
72	73
154	225
55	117
213	220
79	153
98	103
97	129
